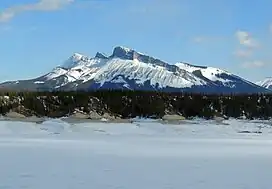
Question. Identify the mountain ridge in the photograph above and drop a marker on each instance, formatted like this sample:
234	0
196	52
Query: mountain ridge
128	69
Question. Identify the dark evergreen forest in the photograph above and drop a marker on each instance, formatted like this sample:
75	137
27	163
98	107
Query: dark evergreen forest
129	104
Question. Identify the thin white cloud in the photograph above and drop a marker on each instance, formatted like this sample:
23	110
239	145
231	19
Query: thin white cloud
246	40
253	64
203	39
42	5
153	12
200	39
5	28
155	7
241	53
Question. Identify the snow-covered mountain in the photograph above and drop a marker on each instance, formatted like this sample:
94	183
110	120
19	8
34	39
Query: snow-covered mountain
129	69
267	83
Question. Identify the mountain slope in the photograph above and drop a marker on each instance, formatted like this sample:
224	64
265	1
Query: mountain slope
128	69
267	83
221	78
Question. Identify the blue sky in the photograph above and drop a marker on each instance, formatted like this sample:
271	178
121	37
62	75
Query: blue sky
235	35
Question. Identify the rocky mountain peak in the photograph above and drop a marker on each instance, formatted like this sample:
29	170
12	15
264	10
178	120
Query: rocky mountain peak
100	55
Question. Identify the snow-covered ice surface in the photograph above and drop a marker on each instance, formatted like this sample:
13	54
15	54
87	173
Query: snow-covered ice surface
146	154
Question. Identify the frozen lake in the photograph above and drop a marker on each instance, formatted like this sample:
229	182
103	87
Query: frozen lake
145	155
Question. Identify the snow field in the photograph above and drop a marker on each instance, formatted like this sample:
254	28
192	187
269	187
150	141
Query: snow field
146	154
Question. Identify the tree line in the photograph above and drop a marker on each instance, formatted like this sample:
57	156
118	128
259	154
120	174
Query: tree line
128	104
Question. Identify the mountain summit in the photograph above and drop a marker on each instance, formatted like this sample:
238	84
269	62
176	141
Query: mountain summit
123	53
132	70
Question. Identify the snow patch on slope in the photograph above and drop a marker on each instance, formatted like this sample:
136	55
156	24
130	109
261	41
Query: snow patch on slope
39	82
119	79
208	72
73	60
142	72
56	73
267	83
77	67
